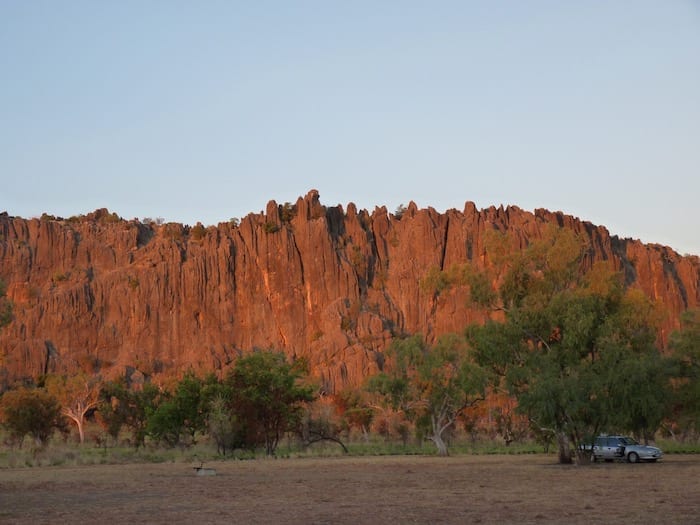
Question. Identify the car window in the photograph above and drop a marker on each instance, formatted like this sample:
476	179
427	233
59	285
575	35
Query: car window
628	441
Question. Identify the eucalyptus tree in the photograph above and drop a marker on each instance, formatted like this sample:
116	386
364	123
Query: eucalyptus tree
267	395
432	385
685	344
577	349
78	395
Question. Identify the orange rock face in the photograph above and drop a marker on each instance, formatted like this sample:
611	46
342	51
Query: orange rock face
330	285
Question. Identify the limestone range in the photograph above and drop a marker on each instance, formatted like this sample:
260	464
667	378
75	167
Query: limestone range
329	284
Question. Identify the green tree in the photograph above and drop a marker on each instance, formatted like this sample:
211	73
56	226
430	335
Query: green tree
110	409
182	414
643	395
119	406
165	424
267	397
432	385
31	411
576	350
685	344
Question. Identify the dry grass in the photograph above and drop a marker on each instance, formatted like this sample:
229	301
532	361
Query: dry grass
397	489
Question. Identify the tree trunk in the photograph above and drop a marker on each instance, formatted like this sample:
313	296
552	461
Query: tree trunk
564	448
78	423
437	437
440	444
81	431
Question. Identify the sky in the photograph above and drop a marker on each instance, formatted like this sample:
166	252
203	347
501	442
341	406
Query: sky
202	111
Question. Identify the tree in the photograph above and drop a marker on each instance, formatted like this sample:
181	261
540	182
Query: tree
78	396
320	422
182	414
110	410
119	406
165	424
267	397
354	411
222	425
31	411
685	344
576	350
432	385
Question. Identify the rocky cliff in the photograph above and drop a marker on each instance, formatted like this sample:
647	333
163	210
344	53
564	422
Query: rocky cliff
329	284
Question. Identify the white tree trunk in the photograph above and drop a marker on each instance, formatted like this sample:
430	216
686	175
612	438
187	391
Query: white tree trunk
440	444
78	419
436	438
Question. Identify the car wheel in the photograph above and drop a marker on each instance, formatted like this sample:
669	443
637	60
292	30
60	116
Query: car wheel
633	457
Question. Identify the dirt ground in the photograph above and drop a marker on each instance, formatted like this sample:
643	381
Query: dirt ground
364	490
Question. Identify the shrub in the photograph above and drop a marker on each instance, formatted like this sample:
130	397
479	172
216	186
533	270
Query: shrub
271	227
133	282
287	212
198	231
31	411
60	277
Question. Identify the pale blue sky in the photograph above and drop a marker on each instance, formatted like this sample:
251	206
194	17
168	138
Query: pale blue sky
205	110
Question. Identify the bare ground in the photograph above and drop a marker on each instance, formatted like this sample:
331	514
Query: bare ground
398	489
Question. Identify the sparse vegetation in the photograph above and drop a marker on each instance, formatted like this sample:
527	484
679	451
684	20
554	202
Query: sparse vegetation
198	231
271	227
287	212
59	277
486	488
174	231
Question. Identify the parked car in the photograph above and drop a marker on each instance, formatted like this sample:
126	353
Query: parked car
623	448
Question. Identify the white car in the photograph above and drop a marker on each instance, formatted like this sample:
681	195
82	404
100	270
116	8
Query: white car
611	448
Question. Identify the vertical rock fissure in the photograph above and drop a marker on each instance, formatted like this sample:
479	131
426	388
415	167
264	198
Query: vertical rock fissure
445	236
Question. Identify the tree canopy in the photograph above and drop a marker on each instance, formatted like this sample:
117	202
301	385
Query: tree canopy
31	411
432	385
686	346
266	395
78	395
576	348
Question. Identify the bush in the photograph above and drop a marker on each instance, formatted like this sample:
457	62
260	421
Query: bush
198	231
287	212
31	411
